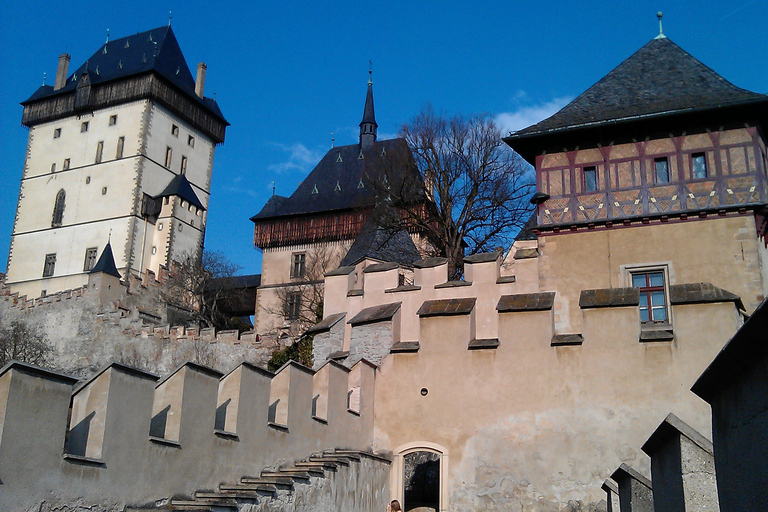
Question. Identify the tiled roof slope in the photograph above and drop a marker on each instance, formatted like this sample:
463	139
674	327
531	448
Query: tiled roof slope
155	50
383	244
341	180
659	78
106	263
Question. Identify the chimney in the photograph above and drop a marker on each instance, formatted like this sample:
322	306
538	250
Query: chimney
61	72
200	83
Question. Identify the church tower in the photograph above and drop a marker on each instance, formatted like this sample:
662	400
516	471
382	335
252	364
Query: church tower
368	125
123	149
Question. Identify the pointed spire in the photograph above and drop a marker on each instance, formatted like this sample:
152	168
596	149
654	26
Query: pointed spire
170	17
368	125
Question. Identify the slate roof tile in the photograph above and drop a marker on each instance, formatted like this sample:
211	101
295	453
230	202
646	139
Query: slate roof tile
375	314
526	302
446	307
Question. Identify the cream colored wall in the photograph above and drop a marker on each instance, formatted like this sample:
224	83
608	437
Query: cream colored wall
723	251
103	200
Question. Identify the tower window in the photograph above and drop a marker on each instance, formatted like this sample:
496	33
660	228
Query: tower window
66	164
56	133
662	170
183	165
292	305
99	151
590	179
168	156
90	258
191	141
53	167
120	147
50	265
175	130
113	120
653	296
58	209
103	191
699	166
298	265
84	127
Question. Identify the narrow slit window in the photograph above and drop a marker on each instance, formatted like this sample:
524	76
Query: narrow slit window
53	167
699	166
183	165
168	156
662	170
175	130
120	147
56	133
50	265
66	164
191	141
99	151
84	127
58	209
113	120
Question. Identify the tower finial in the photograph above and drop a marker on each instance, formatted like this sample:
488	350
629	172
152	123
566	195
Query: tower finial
661	32
368	126
44	74
370	73
109	237
273	189
332	140
170	17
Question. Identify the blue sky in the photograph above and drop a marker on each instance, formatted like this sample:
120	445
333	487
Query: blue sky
288	74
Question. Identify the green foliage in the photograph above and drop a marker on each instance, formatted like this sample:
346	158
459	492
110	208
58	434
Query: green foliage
21	342
301	352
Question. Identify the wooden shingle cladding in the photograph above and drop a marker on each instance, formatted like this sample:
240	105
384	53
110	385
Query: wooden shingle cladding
149	86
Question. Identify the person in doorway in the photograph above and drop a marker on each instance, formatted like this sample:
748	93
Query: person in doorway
394	506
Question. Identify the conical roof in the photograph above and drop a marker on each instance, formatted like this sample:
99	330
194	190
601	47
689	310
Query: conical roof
368	115
106	263
180	186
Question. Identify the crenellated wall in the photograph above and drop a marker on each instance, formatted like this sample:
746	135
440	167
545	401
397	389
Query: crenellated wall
125	437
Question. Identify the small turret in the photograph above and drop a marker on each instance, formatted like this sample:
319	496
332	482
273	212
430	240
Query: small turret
368	125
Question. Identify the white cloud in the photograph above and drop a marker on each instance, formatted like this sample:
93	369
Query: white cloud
529	114
300	158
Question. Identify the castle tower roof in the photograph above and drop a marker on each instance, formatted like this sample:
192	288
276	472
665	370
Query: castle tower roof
660	80
180	186
106	263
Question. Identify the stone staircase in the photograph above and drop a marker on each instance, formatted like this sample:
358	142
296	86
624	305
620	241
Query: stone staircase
271	484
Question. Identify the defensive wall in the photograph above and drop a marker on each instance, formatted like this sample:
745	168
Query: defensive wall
127	321
126	437
521	413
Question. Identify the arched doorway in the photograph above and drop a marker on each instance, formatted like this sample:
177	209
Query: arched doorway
418	477
421	481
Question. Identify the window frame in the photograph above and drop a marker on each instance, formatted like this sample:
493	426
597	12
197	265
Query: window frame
590	169
84	127
113	120
175	130
65	166
56	133
168	157
694	157
656	162
120	147
292	309
191	141
49	267
298	265
183	166
91	256
667	271
99	152
59	204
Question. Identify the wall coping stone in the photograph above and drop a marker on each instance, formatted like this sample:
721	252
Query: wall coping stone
524	254
488	343
447	307
380	267
37	371
609	298
671	427
404	347
341	271
626	471
452	284
542	301
506	279
564	340
326	323
610	485
701	293
483	257
356	293
192	366
403	288
430	262
375	314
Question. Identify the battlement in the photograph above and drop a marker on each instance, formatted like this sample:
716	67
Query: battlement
123	435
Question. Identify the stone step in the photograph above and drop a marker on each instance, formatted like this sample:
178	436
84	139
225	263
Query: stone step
209	496
350	454
325	465
296	475
264	487
312	470
268	479
201	506
342	461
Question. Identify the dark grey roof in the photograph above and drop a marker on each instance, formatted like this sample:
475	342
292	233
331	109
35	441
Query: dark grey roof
154	51
368	114
382	243
659	78
341	180
273	205
180	186
234	282
526	232
106	263
375	314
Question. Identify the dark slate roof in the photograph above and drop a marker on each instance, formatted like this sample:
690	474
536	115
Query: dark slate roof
155	51
375	314
446	307
180	186
542	301
382	244
368	114
271	208
701	293
609	298
659	78
326	323
234	282
526	232
335	183
106	263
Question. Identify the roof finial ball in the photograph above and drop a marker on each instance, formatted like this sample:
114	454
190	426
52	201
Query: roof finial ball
661	32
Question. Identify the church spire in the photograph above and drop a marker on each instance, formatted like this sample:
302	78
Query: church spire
368	125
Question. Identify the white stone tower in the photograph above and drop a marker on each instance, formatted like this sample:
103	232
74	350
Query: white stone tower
123	149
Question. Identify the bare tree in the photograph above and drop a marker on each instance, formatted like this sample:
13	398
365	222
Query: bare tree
198	286
475	189
21	342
